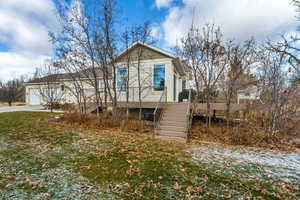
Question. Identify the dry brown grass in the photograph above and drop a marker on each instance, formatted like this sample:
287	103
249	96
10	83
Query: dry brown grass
3	104
242	134
106	121
67	107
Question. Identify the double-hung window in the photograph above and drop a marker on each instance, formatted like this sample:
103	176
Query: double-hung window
51	94
121	78
159	77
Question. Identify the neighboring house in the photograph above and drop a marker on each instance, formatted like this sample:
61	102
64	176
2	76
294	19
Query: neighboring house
250	93
160	72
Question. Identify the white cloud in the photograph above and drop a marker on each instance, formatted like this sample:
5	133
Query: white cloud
24	26
240	19
156	32
163	3
13	65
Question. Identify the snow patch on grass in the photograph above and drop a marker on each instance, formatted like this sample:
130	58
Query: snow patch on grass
3	144
57	183
280	166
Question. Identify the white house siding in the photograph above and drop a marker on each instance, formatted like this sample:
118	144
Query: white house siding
39	88
251	93
69	93
146	71
148	93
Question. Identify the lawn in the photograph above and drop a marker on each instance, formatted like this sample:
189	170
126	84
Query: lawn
41	160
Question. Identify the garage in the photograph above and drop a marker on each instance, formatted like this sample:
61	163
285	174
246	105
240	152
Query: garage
34	96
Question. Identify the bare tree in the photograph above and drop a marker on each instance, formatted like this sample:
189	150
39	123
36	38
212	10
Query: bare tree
12	91
50	89
189	50
237	74
86	46
204	52
76	82
141	34
289	45
107	50
127	41
278	94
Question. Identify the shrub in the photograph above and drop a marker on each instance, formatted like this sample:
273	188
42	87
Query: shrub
248	134
105	121
67	107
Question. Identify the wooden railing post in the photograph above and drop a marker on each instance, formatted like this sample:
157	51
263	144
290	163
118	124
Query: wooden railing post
166	95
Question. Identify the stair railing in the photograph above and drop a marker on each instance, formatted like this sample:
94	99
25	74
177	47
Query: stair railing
189	113
156	119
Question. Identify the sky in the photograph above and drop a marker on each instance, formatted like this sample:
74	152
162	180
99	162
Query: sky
24	24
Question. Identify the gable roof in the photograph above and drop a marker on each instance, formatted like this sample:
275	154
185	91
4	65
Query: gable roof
178	64
138	43
56	78
53	78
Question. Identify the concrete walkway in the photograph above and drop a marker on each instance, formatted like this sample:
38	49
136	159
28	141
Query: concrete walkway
24	108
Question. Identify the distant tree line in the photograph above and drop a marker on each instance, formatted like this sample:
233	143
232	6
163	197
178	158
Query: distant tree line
12	91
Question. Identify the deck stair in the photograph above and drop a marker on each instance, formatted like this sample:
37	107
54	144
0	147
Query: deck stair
173	125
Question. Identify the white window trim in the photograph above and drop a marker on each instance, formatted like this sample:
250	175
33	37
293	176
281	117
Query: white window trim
153	67
118	78
101	85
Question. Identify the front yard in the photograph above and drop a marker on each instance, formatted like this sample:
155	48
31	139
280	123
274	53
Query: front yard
41	160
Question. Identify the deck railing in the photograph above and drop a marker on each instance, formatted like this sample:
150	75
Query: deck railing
160	105
189	112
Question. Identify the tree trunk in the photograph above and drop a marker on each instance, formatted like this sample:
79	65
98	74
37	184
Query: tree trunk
228	104
208	117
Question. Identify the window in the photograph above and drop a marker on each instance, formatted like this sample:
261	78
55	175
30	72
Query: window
121	79
51	94
159	77
101	85
62	87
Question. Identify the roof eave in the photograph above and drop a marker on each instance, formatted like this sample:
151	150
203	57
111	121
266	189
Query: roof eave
179	67
148	46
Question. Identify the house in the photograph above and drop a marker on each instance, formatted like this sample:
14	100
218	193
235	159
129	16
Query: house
161	72
162	77
248	94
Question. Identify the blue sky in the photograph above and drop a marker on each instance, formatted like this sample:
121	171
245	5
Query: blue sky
24	24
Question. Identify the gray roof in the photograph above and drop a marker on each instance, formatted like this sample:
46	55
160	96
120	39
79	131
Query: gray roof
56	78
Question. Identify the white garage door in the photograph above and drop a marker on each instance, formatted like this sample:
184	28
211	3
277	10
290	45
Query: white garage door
34	96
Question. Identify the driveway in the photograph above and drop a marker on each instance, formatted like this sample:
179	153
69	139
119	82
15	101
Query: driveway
24	108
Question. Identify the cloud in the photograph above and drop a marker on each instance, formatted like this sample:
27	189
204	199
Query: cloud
13	65
163	3
24	26
240	19
156	32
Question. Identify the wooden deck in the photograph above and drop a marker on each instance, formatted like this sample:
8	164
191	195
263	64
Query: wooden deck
220	107
199	106
144	104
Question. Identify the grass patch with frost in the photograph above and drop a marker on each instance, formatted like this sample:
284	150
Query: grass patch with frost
40	160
